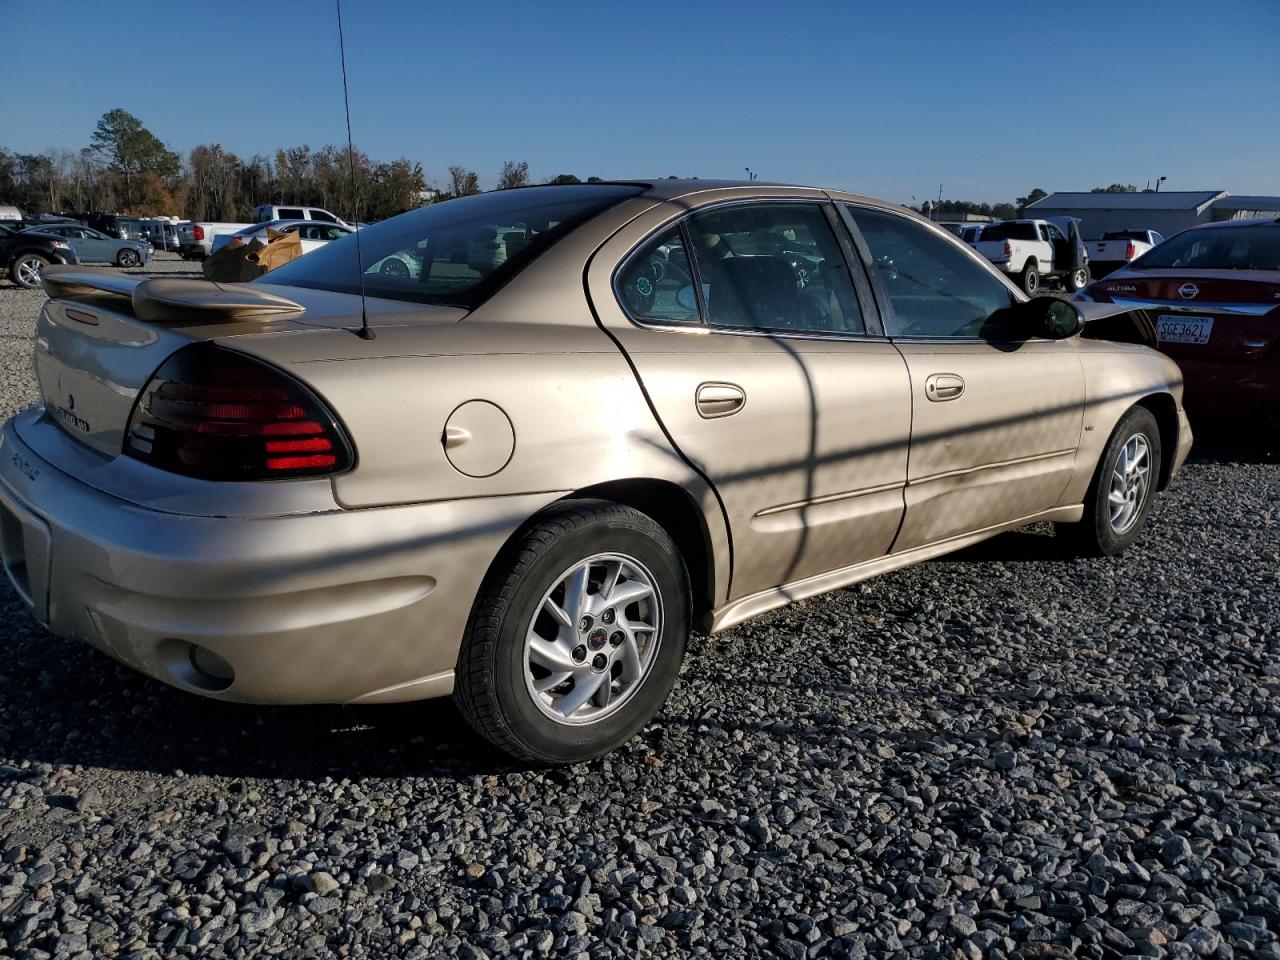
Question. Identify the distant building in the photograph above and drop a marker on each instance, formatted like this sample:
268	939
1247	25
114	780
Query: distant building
1246	207
1168	212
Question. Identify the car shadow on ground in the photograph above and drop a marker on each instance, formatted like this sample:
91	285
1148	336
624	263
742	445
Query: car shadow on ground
64	703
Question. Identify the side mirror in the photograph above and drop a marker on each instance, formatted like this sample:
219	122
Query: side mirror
1053	318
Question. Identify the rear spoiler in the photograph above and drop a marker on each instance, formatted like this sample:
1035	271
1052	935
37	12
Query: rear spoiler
171	299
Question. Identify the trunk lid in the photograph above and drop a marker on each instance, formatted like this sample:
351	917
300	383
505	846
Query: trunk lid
1210	315
101	336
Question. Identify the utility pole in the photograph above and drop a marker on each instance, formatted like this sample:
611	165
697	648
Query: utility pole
750	176
1160	181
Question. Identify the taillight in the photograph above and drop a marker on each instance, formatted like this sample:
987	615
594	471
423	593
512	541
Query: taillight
1008	249
216	414
197	232
1130	251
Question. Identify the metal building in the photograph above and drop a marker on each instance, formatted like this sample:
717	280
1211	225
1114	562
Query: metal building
1246	208
1168	211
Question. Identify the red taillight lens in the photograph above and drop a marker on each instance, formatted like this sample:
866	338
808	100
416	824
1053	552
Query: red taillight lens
198	232
216	414
1130	251
1008	249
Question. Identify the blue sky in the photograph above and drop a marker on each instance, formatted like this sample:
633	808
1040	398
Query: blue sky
889	99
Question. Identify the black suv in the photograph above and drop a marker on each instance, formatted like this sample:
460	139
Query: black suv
23	256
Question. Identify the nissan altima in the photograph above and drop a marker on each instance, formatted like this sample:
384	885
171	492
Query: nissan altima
591	419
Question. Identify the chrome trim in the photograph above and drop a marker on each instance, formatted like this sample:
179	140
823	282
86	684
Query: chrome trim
1190	306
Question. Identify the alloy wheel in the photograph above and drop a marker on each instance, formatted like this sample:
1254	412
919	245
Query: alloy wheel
29	271
593	639
1130	483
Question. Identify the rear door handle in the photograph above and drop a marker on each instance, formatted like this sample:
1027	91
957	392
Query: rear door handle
944	386
719	400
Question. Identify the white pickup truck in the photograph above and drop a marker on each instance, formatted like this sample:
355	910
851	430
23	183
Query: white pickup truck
1118	248
195	240
1034	250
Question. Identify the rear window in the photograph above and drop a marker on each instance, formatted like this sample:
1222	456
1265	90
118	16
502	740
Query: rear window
1009	231
456	253
1217	248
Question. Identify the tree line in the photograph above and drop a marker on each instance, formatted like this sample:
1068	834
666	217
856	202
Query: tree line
127	169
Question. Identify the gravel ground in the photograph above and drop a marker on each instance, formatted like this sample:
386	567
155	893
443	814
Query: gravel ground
1004	753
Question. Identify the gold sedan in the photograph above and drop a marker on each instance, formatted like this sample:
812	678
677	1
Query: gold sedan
568	425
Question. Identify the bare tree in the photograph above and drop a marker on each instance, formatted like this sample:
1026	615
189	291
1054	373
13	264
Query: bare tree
513	175
463	182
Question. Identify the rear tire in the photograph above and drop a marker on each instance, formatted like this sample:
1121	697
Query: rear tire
27	270
524	675
1122	490
1029	279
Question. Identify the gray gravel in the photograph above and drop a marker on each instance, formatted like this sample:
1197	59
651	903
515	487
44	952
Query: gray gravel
1004	753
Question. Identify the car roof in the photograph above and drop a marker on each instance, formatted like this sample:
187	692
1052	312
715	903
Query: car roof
1228	224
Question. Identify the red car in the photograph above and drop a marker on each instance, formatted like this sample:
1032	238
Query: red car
1213	293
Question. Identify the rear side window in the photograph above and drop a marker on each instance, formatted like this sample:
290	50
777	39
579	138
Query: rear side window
935	288
657	282
1010	231
458	252
773	266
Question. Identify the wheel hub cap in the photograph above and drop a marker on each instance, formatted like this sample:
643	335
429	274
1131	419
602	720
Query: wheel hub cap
577	672
1130	483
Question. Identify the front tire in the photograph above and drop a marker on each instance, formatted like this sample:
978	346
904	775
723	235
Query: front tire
1029	279
128	259
1122	490
27	270
577	636
1078	279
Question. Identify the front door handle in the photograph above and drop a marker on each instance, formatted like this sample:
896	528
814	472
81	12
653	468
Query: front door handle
944	386
719	400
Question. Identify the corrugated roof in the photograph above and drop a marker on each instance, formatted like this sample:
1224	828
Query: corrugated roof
1164	200
1249	202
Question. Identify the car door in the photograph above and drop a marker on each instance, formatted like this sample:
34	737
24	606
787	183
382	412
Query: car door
996	418
98	246
760	359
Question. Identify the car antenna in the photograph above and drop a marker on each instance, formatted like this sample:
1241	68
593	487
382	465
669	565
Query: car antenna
364	332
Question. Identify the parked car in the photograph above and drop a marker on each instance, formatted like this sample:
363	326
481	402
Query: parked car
1119	247
528	481
196	240
91	246
970	233
25	254
1214	293
1036	250
275	211
312	234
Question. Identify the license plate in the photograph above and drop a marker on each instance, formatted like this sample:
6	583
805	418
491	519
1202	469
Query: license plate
1184	329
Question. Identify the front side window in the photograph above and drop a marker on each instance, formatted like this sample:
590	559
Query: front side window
773	266
934	287
458	252
657	282
1053	234
291	213
322	215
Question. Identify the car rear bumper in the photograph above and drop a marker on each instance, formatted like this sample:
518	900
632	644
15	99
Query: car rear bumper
337	606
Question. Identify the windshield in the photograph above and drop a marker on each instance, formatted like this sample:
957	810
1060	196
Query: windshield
1217	248
1009	231
457	252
